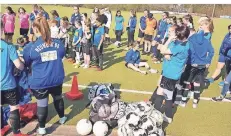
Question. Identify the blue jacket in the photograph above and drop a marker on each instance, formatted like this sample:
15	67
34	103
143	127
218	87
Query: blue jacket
162	26
132	57
226	46
206	35
201	50
75	17
32	17
143	22
46	63
132	23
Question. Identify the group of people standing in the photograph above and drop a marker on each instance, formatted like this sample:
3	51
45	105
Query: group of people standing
186	55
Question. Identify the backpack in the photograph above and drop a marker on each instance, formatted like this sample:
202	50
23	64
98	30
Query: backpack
101	90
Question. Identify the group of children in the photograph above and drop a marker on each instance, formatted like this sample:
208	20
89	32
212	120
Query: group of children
186	54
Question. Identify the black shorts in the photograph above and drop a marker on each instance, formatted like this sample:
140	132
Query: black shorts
43	93
24	31
106	30
167	83
148	37
10	97
86	49
193	74
9	34
78	49
141	34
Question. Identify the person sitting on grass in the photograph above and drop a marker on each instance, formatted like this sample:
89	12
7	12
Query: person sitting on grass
133	62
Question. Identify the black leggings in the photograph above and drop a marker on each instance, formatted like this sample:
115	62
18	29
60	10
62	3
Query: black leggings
97	56
118	34
131	37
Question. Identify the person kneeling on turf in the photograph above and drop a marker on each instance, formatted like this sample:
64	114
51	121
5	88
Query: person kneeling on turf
132	59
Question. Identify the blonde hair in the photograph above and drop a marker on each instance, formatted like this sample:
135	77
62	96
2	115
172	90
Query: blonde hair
42	25
209	22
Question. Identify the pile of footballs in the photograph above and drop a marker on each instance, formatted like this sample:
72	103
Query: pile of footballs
140	119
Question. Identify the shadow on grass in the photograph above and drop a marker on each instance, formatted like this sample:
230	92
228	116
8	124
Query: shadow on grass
70	76
76	107
110	58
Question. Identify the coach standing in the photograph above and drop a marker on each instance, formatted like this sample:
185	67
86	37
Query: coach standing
76	16
45	57
8	91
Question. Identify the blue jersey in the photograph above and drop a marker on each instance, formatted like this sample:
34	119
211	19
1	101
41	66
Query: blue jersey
46	63
132	57
98	35
168	26
58	20
46	15
132	23
174	67
32	16
162	26
8	54
225	45
143	22
119	20
75	17
78	34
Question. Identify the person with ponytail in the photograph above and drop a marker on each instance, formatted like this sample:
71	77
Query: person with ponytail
188	21
9	24
45	57
8	90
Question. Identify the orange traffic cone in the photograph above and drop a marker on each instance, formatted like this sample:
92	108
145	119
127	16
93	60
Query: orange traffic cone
75	93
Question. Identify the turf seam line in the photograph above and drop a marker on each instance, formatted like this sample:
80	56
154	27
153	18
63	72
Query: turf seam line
139	92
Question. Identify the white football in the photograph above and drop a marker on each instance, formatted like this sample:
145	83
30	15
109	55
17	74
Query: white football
157	116
100	128
148	125
84	127
133	119
139	132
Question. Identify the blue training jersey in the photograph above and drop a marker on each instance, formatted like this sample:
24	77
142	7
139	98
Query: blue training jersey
46	63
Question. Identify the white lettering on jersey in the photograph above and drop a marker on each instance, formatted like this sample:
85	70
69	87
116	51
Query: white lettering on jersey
48	56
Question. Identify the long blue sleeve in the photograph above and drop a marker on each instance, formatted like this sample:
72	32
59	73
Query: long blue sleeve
128	57
32	17
210	54
133	23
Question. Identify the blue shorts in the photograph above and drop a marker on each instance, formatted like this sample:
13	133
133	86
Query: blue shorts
221	58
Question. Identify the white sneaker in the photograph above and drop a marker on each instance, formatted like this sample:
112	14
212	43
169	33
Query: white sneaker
167	119
83	65
62	120
116	43
182	104
195	103
86	66
177	102
144	72
153	71
41	131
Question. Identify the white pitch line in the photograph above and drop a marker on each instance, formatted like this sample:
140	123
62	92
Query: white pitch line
139	92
